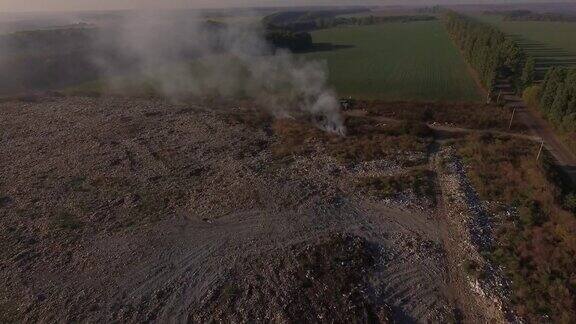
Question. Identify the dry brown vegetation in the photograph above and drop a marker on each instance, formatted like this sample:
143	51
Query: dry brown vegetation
535	235
568	139
476	116
366	139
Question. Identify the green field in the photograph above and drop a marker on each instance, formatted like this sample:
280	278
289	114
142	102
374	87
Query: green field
551	43
395	61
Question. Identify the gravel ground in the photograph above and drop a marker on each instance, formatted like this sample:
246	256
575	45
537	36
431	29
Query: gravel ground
115	209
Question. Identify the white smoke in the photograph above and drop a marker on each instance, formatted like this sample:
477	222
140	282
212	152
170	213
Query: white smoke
183	56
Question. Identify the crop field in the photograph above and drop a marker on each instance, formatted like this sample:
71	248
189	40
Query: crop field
551	43
395	61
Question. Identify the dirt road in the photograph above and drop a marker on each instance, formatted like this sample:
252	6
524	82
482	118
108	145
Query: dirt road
442	129
540	128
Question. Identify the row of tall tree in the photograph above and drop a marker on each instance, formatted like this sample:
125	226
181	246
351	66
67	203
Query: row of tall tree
527	15
304	20
287	39
495	56
490	52
308	22
556	97
369	20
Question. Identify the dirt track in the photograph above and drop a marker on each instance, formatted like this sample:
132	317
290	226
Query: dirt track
441	129
142	210
540	128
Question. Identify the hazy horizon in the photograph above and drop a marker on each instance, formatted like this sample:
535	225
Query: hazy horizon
15	6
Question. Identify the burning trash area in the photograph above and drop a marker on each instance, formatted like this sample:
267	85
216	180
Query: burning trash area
124	209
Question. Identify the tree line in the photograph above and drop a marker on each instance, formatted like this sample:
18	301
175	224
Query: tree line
490	52
368	20
494	56
304	20
287	39
314	20
527	15
556	97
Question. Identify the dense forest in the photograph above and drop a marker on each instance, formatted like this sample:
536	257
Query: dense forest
489	52
556	97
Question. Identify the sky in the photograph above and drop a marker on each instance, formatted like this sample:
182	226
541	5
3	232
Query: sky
78	5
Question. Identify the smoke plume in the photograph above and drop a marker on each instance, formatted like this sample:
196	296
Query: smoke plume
182	56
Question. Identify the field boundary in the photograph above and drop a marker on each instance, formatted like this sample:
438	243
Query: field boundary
482	91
